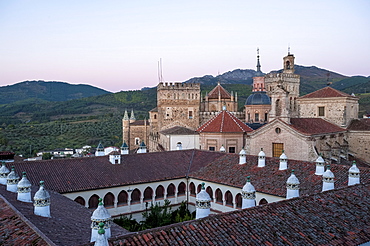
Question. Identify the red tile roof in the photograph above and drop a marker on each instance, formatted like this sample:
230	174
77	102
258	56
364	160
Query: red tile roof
314	126
326	92
70	175
224	122
336	217
269	179
69	223
219	90
359	125
178	130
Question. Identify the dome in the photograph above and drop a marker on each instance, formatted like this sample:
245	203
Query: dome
354	168
261	153
320	160
13	175
203	196
258	98
248	187
328	174
24	183
41	194
101	213
3	170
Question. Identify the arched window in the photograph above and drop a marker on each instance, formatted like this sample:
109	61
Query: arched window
80	200
199	188
192	189
219	196
210	192
238	200
93	201
109	200
171	190
278	107
155	116
148	194
288	65
159	192
229	198
122	198
181	189
135	196
263	201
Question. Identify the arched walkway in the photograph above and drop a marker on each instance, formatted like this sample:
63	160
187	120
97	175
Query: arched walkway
148	194
171	190
93	201
108	200
80	200
159	192
122	198
135	196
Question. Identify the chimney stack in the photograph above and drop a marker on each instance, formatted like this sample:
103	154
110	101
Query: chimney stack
101	240
354	174
124	148
328	179
142	148
249	195
100	214
283	161
222	149
203	204
261	158
292	186
320	165
242	157
3	173
42	202
12	180
24	189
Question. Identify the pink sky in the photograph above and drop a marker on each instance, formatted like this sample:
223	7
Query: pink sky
116	45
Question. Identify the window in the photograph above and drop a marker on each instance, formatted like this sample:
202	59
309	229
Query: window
80	200
266	116
231	149
277	149
321	111
159	192
109	200
190	114
137	141
212	148
277	130
256	117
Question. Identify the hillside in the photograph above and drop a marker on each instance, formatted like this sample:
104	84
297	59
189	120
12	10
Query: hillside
48	91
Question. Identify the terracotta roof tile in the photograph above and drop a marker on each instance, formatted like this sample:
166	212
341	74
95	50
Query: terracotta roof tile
326	92
219	90
359	125
224	121
336	217
70	175
269	179
178	130
314	126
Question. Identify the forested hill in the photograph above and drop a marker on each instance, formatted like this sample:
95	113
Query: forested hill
48	91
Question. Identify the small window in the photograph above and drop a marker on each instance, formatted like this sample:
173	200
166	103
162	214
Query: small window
277	130
212	148
155	116
321	111
256	117
137	141
277	149
190	114
231	149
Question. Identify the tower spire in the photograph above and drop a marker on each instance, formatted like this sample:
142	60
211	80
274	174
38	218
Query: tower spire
258	62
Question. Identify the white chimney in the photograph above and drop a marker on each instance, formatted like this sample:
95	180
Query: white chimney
292	186
202	204
100	214
142	148
124	148
261	158
222	149
115	157
3	174
242	157
320	165
328	179
12	180
24	189
283	161
101	240
249	195
354	174
42	202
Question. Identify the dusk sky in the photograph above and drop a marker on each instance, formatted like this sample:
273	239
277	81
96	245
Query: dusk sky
116	45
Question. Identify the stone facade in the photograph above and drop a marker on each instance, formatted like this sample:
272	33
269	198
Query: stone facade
337	110
232	142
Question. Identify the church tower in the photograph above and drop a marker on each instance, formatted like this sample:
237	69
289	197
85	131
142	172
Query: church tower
283	89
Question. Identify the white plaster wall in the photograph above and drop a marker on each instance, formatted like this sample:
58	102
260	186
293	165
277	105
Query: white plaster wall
188	141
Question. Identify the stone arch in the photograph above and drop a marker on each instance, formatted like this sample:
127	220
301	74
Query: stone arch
148	194
93	201
108	200
80	200
238	200
210	192
159	192
181	189
135	196
218	195
229	198
199	188
171	190
122	198
263	201
192	189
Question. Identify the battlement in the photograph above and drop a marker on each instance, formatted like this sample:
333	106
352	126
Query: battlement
178	85
281	75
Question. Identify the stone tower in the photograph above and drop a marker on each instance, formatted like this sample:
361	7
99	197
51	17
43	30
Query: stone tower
178	104
283	89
